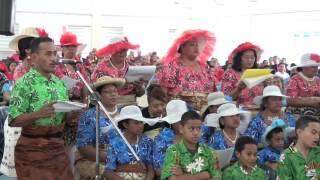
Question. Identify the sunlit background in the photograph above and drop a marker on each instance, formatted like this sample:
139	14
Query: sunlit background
286	28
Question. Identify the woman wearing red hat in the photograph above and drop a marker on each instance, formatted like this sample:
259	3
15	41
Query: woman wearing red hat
245	56
69	45
185	70
115	65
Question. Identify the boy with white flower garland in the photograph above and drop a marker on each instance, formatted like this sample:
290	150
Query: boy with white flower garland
188	159
246	149
301	161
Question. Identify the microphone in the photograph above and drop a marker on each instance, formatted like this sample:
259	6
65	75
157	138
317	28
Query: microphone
68	61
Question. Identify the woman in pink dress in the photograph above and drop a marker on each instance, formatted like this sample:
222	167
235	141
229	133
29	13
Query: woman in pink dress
304	87
114	64
245	56
185	71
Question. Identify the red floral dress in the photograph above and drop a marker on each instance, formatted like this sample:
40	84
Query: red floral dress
75	92
177	77
104	68
298	87
20	70
230	80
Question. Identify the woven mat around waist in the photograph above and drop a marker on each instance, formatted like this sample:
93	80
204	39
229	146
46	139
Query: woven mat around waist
135	168
196	99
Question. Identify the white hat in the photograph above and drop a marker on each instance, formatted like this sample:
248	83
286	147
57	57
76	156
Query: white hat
308	60
268	91
228	109
175	109
134	112
216	98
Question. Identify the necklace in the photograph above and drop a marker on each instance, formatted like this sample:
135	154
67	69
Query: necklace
228	137
246	172
307	78
123	65
113	112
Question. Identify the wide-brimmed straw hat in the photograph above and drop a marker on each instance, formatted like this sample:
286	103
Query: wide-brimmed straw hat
268	91
134	113
118	82
174	110
116	44
243	47
206	42
308	60
25	33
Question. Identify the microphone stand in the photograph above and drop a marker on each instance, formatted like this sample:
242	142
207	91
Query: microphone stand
99	105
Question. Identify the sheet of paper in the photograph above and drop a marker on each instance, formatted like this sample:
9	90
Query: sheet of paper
69	82
136	73
68	106
224	156
251	82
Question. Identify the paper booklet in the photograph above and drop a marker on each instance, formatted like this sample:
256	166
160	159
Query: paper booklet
69	82
68	106
224	156
253	77
135	73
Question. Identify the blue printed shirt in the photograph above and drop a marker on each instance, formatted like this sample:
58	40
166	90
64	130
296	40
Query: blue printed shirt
268	154
161	143
218	142
118	153
86	133
257	126
206	133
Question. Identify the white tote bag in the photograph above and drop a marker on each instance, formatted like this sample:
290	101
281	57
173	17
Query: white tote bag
11	136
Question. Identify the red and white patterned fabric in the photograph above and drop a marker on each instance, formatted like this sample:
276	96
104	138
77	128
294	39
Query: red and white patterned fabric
298	87
230	80
177	77
75	92
20	70
104	68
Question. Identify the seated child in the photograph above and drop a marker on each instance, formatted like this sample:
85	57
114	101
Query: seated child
273	138
168	136
301	161
120	163
189	159
246	168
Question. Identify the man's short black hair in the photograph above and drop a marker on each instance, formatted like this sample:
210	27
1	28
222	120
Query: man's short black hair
242	141
304	121
190	115
272	132
35	43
